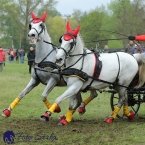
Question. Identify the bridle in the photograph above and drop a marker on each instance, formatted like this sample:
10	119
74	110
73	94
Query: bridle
42	28
72	44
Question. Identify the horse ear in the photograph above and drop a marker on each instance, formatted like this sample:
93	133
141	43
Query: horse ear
68	26
77	30
33	16
44	17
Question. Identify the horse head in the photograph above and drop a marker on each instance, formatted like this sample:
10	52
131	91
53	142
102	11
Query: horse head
68	43
37	28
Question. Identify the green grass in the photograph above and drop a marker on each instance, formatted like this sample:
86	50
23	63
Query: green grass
88	129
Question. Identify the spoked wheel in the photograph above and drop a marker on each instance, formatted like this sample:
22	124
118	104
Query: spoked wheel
133	103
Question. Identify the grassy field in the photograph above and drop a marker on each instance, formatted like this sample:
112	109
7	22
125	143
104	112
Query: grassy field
88	129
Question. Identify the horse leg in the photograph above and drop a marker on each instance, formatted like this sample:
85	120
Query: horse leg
74	103
93	94
71	91
121	101
33	83
126	112
50	85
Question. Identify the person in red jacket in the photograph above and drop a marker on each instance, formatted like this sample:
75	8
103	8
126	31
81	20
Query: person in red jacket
2	58
137	37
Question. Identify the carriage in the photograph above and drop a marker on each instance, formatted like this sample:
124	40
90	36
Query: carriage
135	98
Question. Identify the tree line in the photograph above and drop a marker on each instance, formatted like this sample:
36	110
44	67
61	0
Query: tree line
118	20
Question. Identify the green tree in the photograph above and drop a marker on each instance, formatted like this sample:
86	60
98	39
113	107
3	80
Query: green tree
78	15
127	17
114	43
10	23
56	27
38	7
15	17
90	27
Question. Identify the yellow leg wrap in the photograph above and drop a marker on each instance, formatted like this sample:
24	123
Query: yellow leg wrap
87	100
47	103
52	108
126	111
115	112
69	115
14	103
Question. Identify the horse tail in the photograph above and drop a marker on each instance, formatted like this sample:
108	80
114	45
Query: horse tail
141	63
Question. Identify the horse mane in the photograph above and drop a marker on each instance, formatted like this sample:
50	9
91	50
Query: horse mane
49	37
48	34
82	39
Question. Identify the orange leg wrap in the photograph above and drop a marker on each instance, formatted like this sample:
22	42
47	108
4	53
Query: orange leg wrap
52	108
47	103
115	112
69	115
87	100
126	111
14	103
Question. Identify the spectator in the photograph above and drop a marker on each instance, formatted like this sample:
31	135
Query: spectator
105	49
129	47
2	58
143	49
138	49
31	58
132	52
11	54
21	54
17	55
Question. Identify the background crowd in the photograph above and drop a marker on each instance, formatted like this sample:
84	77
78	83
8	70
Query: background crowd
15	55
19	55
133	48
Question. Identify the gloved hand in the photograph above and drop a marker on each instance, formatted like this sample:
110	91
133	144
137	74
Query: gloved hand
131	37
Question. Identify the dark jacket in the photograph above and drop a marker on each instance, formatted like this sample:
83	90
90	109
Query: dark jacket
31	57
21	52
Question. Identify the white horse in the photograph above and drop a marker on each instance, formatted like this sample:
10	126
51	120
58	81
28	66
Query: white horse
45	59
118	69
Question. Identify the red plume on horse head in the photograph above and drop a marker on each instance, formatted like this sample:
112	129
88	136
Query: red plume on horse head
71	33
36	19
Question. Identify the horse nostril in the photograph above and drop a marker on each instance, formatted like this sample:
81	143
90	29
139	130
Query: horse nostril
31	35
60	59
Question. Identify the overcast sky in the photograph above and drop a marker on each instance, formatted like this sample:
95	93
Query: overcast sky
66	7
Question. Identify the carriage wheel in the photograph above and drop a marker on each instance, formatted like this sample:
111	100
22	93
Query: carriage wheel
132	104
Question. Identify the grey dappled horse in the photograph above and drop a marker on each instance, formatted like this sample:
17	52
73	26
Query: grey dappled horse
117	68
45	59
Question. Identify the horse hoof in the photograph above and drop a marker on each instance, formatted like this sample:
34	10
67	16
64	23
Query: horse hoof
131	116
6	113
57	109
60	124
63	122
61	117
45	117
81	110
108	120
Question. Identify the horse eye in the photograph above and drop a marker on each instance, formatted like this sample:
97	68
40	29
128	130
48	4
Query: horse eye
42	25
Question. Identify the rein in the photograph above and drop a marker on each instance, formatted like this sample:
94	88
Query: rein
93	78
82	56
41	62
